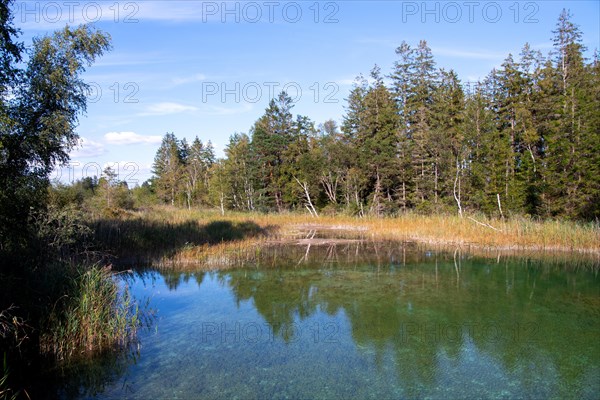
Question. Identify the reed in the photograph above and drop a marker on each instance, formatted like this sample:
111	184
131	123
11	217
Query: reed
514	233
97	315
176	238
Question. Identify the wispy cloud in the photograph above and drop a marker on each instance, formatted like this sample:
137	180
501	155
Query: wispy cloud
188	79
214	110
124	138
87	148
167	108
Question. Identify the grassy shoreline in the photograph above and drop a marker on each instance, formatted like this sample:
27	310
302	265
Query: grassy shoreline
204	235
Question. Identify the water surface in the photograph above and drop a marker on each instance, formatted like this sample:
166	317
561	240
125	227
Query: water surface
366	321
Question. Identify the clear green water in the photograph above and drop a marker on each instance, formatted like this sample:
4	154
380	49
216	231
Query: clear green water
365	321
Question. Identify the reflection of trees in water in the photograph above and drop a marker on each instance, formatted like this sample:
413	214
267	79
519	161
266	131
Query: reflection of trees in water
173	278
277	295
420	305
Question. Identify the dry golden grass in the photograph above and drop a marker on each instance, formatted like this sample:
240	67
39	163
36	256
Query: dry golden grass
513	234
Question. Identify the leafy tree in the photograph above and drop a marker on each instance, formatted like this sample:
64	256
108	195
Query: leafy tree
39	109
333	161
197	163
238	174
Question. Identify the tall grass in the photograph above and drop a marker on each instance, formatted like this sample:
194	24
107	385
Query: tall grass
96	315
513	233
178	237
140	239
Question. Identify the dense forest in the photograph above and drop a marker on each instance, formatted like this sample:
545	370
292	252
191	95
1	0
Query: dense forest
525	140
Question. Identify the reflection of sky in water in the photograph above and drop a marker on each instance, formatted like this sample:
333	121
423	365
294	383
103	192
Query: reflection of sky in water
362	332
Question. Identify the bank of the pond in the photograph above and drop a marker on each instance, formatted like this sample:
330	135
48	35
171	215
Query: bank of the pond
165	235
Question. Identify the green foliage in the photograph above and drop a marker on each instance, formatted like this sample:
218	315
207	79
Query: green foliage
39	109
144	195
61	236
182	173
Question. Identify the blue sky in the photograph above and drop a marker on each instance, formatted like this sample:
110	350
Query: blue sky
209	68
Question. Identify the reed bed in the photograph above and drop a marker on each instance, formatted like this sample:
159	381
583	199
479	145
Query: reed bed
98	315
515	233
170	237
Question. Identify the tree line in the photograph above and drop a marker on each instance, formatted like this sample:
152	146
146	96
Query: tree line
524	140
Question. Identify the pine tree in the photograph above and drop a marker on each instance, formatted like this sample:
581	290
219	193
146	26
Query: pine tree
589	153
447	144
377	143
355	108
401	77
481	140
168	166
271	135
564	144
193	169
418	110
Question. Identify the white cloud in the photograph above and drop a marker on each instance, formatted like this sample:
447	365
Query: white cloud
120	138
167	108
87	148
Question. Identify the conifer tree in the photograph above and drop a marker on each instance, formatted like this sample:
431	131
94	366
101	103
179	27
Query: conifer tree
168	168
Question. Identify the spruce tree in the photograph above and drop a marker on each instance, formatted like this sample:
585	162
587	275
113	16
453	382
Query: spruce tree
168	169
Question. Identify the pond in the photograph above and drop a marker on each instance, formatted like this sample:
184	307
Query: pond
365	320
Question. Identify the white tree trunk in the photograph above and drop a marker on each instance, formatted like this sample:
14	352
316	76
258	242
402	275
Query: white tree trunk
309	204
457	194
